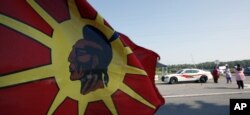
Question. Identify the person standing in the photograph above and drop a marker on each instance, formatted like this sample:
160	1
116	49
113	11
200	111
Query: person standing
228	74
216	74
239	76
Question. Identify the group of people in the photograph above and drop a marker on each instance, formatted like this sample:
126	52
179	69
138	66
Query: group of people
239	75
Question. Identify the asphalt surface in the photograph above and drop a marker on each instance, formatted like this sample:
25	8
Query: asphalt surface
200	98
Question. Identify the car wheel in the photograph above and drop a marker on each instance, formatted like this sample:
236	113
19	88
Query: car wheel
162	78
173	80
203	79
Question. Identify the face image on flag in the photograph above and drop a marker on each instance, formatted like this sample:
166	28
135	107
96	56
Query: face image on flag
89	60
62	57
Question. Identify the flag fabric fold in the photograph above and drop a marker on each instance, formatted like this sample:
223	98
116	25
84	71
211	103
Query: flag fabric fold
67	59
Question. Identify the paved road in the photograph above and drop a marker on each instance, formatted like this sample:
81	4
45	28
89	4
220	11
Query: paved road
200	99
199	105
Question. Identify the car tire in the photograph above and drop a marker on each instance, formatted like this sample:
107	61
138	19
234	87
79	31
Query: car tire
203	79
162	78
173	80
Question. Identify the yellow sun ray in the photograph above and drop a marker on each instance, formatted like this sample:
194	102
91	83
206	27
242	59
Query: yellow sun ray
82	106
124	68
109	103
131	69
135	95
134	70
74	13
42	13
100	24
60	97
27	76
128	50
26	30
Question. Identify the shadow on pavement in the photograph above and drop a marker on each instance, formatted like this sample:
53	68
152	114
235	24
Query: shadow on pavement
203	108
161	84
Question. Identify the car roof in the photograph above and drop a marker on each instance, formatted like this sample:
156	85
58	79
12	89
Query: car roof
191	69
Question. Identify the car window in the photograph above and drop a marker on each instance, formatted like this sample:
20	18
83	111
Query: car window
188	71
179	72
195	71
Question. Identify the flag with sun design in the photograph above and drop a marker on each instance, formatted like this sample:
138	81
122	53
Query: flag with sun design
62	57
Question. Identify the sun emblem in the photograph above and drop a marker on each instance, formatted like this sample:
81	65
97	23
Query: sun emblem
89	62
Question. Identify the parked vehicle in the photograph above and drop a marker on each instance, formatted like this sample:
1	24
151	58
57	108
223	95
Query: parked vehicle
182	75
247	71
222	69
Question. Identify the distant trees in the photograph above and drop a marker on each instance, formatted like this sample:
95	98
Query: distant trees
208	65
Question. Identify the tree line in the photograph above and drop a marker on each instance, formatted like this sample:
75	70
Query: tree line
207	65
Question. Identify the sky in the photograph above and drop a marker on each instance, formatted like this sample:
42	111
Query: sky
183	31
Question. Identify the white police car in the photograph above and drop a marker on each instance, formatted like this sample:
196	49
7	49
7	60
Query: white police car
187	75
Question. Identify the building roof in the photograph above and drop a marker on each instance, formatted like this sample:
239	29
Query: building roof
160	65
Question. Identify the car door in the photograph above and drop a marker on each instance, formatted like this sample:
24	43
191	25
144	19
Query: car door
188	75
196	74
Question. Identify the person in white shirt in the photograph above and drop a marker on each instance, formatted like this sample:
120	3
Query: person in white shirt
228	74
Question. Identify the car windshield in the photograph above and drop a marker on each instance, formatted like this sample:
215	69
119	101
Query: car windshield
179	72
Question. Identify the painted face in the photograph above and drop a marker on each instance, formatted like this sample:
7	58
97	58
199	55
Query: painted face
82	58
89	60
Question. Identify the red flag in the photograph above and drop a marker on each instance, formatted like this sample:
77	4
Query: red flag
146	59
62	57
